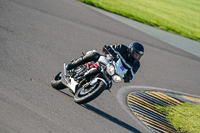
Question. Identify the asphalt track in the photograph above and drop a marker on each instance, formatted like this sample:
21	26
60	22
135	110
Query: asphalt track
37	36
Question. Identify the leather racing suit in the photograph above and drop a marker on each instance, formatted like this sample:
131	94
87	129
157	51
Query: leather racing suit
132	66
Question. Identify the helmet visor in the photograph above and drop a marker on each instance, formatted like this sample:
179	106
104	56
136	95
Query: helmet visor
136	55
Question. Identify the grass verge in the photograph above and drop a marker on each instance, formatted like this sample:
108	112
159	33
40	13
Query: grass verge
184	117
177	16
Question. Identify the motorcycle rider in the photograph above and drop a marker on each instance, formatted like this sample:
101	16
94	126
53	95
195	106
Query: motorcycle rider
130	55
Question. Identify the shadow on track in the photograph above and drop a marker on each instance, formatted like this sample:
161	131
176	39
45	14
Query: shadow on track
107	116
65	93
111	118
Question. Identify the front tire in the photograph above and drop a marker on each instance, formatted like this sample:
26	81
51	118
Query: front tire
56	82
81	98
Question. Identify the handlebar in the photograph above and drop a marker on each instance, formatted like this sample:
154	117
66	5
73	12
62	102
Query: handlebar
109	50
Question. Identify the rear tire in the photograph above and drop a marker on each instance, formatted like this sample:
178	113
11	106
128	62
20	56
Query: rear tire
56	82
82	99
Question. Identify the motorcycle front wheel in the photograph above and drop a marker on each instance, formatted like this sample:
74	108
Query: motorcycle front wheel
87	93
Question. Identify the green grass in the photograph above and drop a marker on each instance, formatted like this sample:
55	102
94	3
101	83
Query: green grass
185	117
177	16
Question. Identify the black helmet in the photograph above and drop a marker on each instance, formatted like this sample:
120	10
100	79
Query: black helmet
136	51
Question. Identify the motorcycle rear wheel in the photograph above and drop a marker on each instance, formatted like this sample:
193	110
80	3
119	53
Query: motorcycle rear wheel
56	82
82	98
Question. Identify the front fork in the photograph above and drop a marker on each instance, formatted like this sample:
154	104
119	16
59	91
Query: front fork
106	79
103	77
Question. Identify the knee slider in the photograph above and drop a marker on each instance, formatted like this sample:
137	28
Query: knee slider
92	55
96	56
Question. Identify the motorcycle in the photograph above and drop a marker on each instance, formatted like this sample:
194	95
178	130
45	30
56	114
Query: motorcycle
89	80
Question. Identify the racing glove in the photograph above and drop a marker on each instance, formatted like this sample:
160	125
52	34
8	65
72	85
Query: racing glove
105	50
127	79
